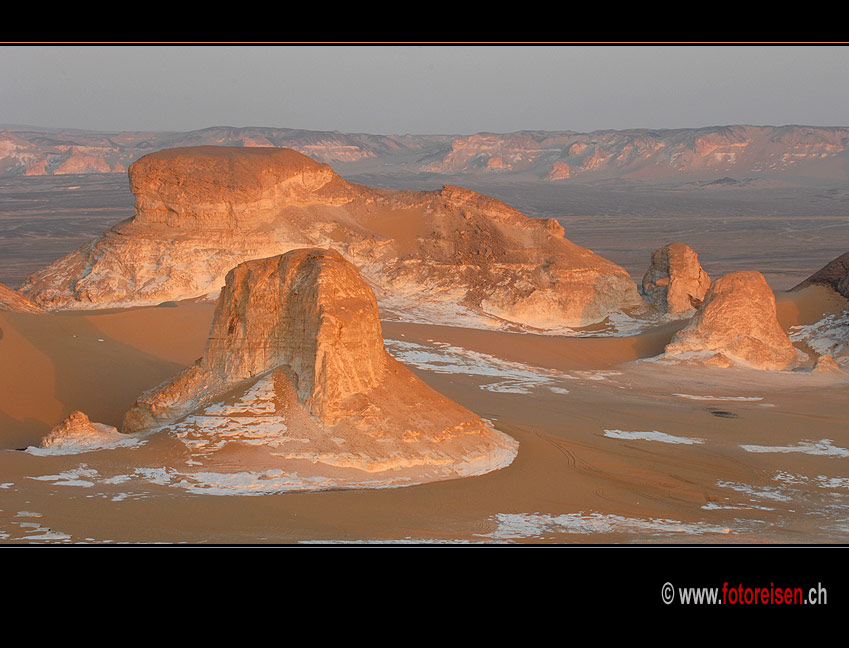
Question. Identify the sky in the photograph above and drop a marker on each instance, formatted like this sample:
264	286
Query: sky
430	89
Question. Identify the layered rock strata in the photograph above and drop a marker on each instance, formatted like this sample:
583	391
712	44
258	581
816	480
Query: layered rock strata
12	300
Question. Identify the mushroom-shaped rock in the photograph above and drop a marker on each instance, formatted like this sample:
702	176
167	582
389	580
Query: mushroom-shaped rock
295	364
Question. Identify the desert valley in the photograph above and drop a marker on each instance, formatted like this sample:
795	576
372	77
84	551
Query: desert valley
271	336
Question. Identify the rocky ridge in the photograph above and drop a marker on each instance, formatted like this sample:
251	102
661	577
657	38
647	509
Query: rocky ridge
834	274
559	156
12	300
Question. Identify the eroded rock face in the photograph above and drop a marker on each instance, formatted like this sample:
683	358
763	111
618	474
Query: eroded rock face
736	323
12	300
675	283
428	254
78	432
834	274
295	363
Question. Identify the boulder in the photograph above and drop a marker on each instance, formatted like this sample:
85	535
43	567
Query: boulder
737	324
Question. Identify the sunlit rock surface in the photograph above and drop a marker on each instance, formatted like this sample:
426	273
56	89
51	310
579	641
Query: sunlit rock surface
12	300
736	324
675	283
295	372
433	256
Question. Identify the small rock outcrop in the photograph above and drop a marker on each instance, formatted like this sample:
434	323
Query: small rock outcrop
295	362
12	300
77	432
736	324
675	283
828	365
429	255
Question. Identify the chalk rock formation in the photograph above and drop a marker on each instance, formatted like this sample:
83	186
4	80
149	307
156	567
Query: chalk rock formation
834	274
736	323
675	283
77	432
827	364
428	254
12	300
295	365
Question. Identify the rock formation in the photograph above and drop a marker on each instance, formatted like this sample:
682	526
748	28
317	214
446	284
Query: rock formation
12	300
295	366
428	254
77	432
828	365
834	274
675	283
736	323
563	156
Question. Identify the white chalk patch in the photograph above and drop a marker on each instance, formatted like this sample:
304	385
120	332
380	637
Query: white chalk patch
830	335
511	377
766	492
653	435
717	506
823	447
250	483
719	398
518	526
72	477
833	483
80	446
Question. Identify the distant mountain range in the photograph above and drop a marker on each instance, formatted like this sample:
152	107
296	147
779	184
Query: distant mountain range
711	153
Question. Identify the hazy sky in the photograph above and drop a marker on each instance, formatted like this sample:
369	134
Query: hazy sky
422	89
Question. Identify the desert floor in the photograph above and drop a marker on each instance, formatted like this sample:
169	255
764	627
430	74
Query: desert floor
614	447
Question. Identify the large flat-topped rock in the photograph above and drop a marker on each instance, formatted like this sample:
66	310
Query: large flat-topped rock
445	256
